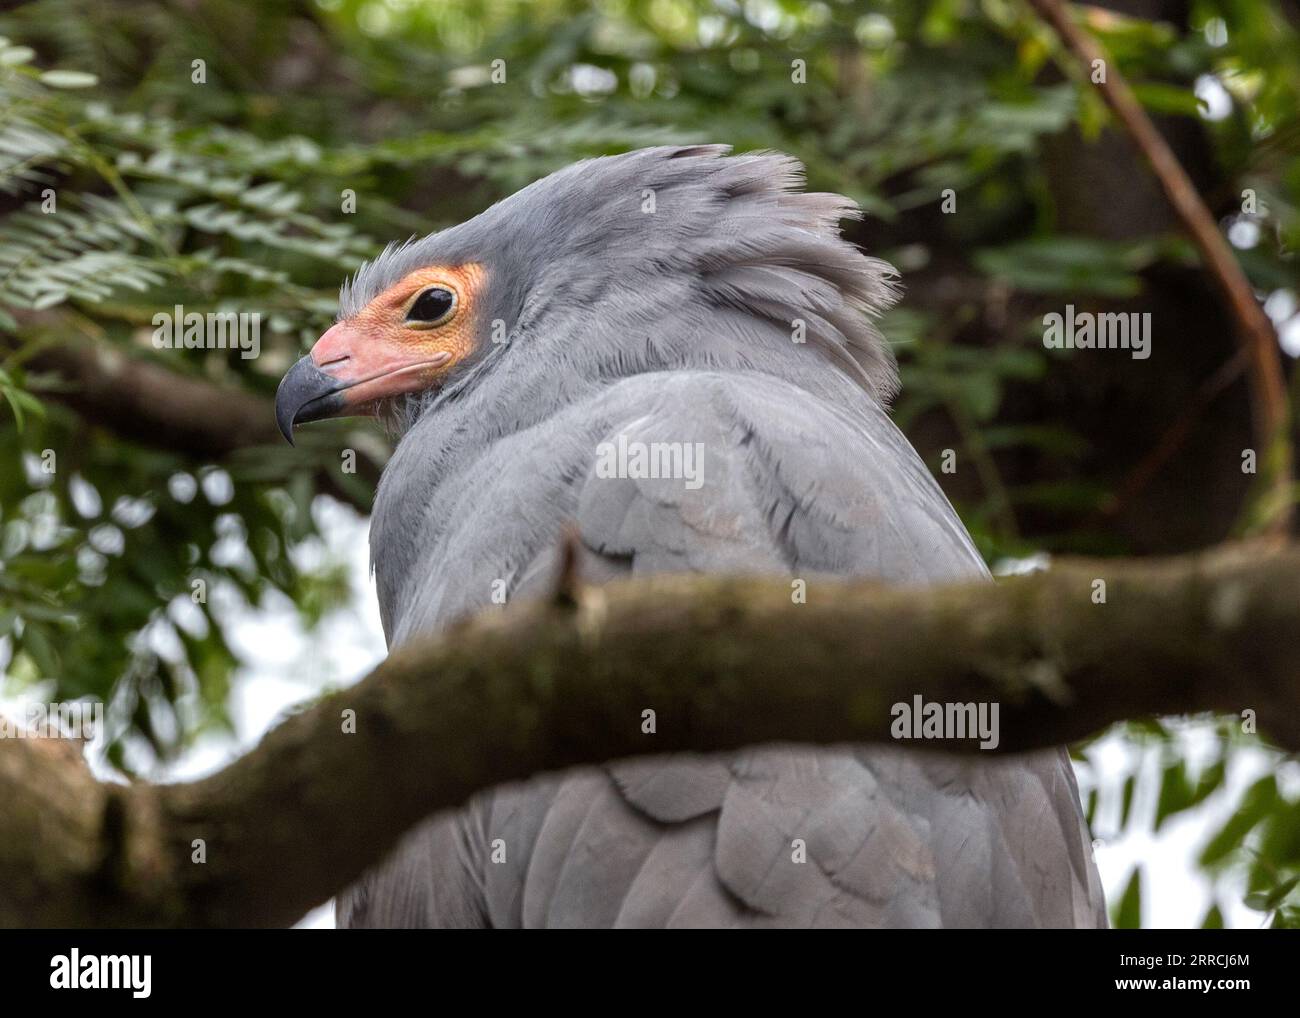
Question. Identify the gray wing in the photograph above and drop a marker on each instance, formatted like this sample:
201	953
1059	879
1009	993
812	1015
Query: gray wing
778	835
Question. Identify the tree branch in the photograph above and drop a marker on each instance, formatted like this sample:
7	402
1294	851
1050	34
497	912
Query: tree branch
556	683
158	408
1255	332
151	405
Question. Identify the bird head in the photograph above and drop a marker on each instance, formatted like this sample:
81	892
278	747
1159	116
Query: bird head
403	341
652	260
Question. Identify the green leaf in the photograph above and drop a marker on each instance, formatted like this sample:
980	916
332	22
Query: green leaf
1175	792
1128	914
1258	802
1130	783
69	79
15	55
1068	265
15	406
1267	900
1162	98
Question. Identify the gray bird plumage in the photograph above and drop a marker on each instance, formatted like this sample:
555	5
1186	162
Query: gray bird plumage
675	326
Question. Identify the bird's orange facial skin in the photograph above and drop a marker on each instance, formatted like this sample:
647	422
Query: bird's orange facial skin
379	353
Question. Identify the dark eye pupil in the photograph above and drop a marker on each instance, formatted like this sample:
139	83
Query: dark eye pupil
431	305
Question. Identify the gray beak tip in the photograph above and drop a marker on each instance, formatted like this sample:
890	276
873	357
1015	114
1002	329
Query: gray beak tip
305	394
284	419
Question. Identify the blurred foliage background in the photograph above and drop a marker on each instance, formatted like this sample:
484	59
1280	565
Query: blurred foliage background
247	156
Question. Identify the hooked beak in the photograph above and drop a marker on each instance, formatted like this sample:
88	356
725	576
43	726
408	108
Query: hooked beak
305	394
347	372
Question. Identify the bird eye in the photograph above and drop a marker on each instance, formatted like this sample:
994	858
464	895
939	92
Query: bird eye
433	307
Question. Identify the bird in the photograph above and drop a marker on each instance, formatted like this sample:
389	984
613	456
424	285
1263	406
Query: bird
664	302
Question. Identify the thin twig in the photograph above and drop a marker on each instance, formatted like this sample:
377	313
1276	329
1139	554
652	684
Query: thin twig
1173	437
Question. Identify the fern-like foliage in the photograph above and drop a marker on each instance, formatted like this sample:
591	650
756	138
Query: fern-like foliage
113	217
